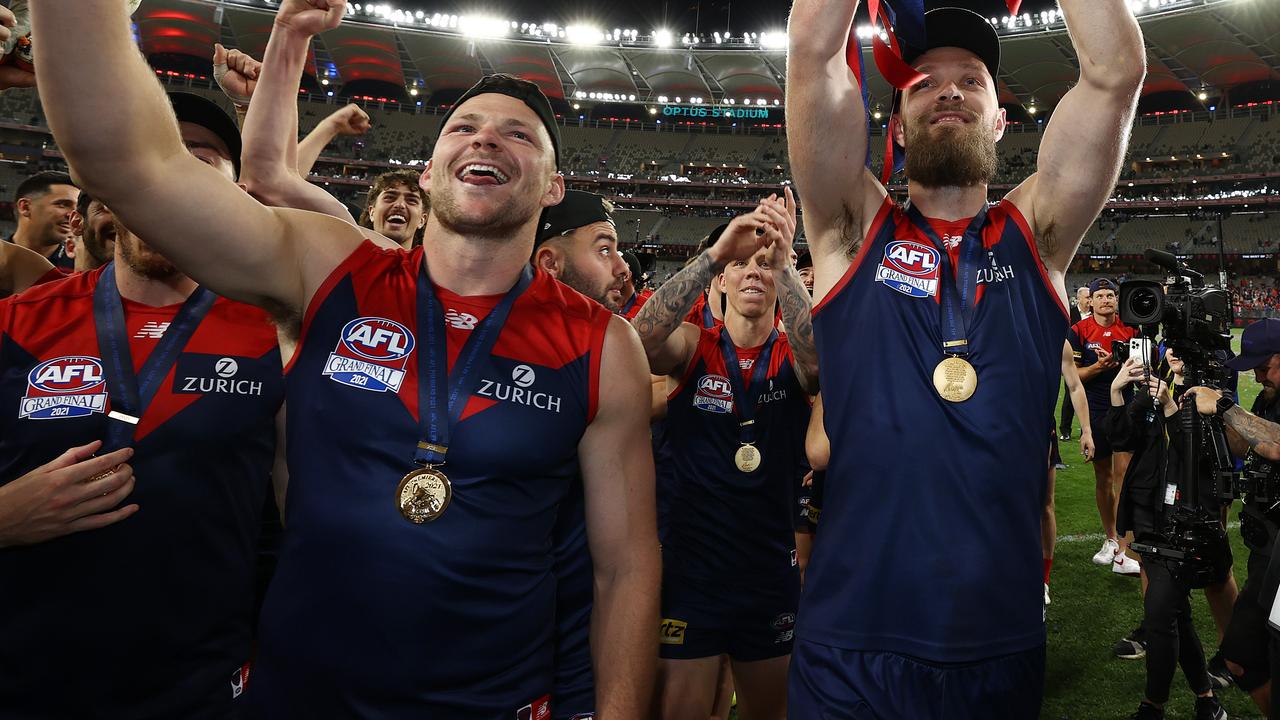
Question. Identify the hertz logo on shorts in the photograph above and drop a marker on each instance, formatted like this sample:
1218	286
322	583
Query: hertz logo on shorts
672	632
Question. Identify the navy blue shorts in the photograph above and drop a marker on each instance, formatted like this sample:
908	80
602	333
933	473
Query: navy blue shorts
829	683
701	621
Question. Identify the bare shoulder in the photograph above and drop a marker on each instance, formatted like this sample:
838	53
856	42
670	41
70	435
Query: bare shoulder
623	361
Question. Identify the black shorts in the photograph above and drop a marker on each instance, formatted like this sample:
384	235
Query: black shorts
747	624
1101	441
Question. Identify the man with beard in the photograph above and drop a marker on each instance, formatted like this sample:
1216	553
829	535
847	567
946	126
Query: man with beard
940	328
134	359
577	244
1091	340
1255	436
45	205
97	234
427	461
736	424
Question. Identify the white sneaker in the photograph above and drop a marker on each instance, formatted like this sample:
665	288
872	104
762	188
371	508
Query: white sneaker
1046	593
1107	554
1125	565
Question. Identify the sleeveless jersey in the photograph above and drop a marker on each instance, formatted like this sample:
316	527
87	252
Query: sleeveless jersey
152	616
1086	338
370	615
725	527
931	519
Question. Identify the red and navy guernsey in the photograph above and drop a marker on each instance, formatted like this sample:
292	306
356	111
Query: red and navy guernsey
149	617
372	616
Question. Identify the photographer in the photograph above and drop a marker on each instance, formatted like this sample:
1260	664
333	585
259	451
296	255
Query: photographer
1142	426
1256	437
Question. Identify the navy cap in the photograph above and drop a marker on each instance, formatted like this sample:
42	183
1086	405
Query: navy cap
1102	284
1259	342
198	110
958	27
578	209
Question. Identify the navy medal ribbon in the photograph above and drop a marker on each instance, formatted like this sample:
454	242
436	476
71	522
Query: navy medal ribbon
744	398
131	394
957	290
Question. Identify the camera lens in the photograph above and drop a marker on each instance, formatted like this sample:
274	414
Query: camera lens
1144	303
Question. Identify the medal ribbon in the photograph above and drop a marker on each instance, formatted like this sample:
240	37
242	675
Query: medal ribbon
744	397
626	308
131	394
708	320
958	290
433	359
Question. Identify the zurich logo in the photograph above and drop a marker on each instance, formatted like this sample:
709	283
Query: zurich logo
912	258
64	375
377	339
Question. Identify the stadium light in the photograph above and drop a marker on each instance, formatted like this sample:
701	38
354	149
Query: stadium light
583	34
482	26
662	38
773	40
653	111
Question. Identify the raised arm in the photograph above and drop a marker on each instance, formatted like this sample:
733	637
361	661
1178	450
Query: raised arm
1259	434
827	137
797	304
1087	137
348	120
617	475
271	151
669	342
89	68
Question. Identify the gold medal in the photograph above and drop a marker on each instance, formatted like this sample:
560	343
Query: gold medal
955	379
423	495
747	458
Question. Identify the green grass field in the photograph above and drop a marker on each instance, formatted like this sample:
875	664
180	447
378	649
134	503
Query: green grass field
1093	607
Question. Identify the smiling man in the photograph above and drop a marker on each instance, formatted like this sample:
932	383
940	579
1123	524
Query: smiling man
428	462
939	328
397	208
45	205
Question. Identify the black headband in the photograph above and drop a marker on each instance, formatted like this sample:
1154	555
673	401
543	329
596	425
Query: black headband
522	90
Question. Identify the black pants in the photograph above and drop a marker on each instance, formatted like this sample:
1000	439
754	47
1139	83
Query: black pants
1171	636
1275	674
1068	412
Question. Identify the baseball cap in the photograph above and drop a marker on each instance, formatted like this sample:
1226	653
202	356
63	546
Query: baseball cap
804	260
577	209
198	110
1261	340
633	264
958	27
1102	284
522	90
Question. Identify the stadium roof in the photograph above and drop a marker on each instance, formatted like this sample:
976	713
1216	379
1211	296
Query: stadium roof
1194	47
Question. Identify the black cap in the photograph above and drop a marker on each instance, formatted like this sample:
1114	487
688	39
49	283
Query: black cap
957	27
524	91
633	264
804	260
577	209
208	114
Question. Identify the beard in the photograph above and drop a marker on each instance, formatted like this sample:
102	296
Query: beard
503	223
100	249
570	276
950	155
141	259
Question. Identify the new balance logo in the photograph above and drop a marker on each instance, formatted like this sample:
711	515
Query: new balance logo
151	331
461	320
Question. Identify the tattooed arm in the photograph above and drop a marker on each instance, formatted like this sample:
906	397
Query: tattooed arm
668	340
797	305
1263	436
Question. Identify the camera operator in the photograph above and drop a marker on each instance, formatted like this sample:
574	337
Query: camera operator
1146	501
1254	435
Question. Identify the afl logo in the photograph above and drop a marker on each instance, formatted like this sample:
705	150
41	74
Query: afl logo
912	258
67	375
714	394
377	339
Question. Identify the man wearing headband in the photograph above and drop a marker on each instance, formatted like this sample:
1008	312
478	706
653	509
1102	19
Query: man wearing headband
428	455
940	325
1092	341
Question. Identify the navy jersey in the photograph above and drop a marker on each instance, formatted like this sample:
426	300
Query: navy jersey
370	615
150	617
1086	338
931	518
726	527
